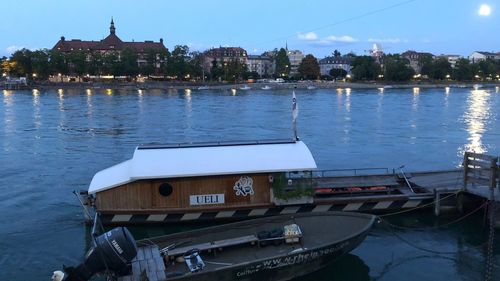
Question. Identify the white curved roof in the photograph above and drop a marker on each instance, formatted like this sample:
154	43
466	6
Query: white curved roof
192	160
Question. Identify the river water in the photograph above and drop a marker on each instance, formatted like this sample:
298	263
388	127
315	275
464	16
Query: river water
52	142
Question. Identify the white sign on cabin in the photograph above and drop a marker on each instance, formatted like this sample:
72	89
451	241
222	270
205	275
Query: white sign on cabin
206	199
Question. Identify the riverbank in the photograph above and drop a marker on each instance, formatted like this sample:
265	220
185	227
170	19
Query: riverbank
165	85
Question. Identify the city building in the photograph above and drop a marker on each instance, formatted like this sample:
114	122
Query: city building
414	59
376	52
295	57
262	64
329	63
222	55
113	44
452	59
479	56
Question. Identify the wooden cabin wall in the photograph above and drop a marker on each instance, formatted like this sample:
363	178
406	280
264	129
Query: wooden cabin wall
144	194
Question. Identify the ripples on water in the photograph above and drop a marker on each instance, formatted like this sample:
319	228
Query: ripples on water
52	142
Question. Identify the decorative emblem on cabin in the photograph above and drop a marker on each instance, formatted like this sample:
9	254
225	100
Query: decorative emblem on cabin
244	186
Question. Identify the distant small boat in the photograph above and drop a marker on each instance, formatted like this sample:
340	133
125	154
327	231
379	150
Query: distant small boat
284	247
203	88
266	88
388	87
311	87
246	87
477	86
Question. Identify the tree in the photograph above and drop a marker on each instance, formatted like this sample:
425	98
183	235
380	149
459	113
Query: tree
8	67
178	62
40	62
216	71
425	63
487	68
196	64
464	70
95	65
77	62
336	54
110	64
251	75
58	63
309	67
440	68
337	73
151	62
397	68
23	61
365	68
235	70
128	62
282	63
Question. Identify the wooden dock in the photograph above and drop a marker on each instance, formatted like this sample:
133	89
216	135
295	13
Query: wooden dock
482	175
147	265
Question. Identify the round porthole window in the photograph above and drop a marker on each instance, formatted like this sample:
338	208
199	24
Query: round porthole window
165	189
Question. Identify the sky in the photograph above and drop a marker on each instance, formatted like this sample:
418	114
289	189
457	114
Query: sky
312	26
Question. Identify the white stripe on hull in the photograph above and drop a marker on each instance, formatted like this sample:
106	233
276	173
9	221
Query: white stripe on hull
289	210
412	203
257	212
352	207
382	205
190	216
321	208
156	217
225	214
121	218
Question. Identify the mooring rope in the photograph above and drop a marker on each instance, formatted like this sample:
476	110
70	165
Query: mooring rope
391	227
437	226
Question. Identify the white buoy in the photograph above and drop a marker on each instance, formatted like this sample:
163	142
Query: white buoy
58	275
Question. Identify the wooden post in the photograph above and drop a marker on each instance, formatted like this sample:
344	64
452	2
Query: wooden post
466	168
437	203
460	202
493	179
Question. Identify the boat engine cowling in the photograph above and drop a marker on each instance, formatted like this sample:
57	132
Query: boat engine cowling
112	250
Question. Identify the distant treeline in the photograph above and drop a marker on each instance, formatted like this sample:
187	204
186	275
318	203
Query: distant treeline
397	68
181	64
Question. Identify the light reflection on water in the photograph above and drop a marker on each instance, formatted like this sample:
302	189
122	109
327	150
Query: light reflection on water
9	115
476	117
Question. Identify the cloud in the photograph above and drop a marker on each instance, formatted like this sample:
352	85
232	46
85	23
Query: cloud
344	39
13	48
196	46
330	40
388	40
309	36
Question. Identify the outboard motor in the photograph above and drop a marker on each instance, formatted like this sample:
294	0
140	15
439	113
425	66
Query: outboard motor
112	250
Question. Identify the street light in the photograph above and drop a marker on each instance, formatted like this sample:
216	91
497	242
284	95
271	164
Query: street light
225	71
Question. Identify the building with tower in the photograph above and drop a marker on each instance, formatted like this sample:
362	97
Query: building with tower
148	52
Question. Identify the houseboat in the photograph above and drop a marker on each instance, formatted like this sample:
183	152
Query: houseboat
176	183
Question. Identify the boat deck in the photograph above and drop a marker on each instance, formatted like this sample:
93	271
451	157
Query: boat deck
148	262
390	185
224	247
